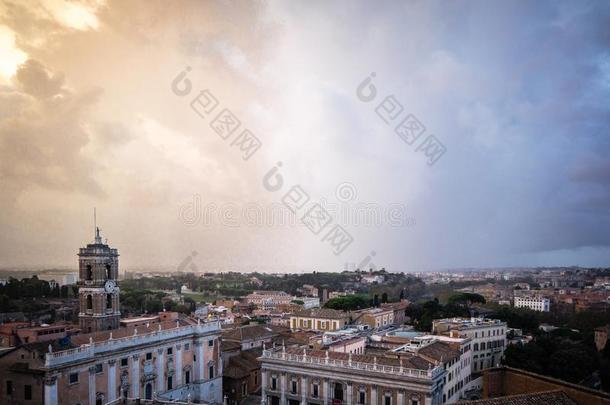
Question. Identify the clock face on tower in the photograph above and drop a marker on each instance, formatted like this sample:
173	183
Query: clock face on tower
109	286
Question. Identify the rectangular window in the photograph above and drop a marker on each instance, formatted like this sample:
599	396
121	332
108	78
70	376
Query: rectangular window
211	372
149	356
170	350
273	383
187	377
294	387
27	392
187	346
388	400
315	390
255	378
124	362
99	368
195	358
73	378
170	382
211	343
362	398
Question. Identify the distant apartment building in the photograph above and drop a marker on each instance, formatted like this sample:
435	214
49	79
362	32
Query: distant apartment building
268	300
309	290
535	303
354	345
601	337
337	294
293	376
373	278
319	319
399	309
488	338
374	317
59	278
309	302
343	341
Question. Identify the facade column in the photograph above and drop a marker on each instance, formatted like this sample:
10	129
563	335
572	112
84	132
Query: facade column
283	389
373	395
200	362
304	387
178	365
50	390
92	385
350	391
263	387
160	371
401	398
325	390
135	376
111	380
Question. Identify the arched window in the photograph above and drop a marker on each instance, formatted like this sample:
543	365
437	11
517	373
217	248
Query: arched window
148	391
108	272
89	275
89	302
108	300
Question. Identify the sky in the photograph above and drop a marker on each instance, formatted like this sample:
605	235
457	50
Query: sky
123	106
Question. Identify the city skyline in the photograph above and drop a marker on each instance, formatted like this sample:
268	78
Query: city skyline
101	111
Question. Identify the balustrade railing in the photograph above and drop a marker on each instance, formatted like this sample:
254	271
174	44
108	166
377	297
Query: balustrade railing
350	364
91	349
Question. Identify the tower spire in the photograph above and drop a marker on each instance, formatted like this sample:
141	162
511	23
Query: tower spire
98	238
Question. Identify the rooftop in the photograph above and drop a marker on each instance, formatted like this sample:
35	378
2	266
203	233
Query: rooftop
410	366
470	322
326	313
266	292
251	332
540	398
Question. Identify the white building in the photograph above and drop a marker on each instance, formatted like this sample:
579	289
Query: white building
371	278
303	376
453	354
268	300
488	338
536	303
309	302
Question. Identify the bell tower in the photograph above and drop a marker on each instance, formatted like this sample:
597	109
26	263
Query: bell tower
98	291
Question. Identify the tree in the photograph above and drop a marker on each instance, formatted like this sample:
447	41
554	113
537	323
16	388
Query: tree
376	300
402	294
348	302
466	299
384	297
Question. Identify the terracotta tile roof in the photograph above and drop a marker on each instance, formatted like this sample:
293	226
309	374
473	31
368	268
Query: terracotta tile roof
228	345
252	332
243	364
325	313
407	361
539	398
439	351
